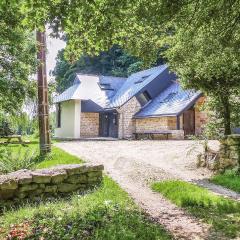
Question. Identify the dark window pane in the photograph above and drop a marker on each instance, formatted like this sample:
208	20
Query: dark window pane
58	109
144	98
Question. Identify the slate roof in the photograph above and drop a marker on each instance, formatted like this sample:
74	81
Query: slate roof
134	84
86	87
171	102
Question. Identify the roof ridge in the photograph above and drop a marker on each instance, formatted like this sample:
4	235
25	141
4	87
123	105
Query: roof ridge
149	69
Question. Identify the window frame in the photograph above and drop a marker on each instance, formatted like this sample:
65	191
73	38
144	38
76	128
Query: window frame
145	99
58	115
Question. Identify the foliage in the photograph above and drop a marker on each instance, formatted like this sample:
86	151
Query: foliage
114	62
17	59
230	179
15	157
12	161
106	213
223	214
200	39
214	128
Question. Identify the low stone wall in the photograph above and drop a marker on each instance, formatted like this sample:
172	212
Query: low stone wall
49	182
227	157
229	154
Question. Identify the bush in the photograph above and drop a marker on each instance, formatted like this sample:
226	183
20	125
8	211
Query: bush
11	161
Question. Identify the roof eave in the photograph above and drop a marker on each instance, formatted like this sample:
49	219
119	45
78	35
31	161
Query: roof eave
189	105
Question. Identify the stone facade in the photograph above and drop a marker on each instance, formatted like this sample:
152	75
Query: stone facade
229	154
49	182
158	124
151	124
127	125
89	126
201	117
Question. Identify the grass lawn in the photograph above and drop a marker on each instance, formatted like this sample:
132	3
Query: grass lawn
19	157
221	213
106	213
229	180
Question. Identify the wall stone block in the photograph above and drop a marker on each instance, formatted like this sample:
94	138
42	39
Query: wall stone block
61	179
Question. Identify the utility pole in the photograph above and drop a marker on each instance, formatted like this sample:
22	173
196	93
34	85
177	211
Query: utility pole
43	107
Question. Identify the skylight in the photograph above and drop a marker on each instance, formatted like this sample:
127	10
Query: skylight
169	97
142	79
105	86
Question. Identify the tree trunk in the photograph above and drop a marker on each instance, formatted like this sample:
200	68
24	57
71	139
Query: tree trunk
43	108
226	113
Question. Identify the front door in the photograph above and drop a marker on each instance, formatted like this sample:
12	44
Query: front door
189	122
108	124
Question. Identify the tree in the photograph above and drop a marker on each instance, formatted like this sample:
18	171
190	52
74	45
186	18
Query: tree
201	39
114	62
17	59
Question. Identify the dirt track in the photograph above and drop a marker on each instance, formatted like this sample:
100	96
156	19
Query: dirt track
134	164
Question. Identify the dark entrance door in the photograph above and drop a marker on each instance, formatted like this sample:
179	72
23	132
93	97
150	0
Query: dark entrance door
189	122
108	124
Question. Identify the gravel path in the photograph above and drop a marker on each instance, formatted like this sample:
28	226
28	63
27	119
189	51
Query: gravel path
135	164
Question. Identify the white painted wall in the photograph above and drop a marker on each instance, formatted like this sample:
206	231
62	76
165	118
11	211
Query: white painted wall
70	120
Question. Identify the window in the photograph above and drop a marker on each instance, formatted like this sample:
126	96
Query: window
105	86
58	111
144	98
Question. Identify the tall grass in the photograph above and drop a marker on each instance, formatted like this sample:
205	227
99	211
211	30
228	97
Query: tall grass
14	160
15	157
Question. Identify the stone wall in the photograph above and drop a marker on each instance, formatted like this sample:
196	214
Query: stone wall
227	157
229	154
151	124
158	124
201	117
89	126
126	122
49	182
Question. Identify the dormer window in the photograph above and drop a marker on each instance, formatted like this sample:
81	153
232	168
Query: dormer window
105	86
144	98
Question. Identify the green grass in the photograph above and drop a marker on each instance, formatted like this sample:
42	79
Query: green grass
229	179
104	214
27	156
58	157
221	213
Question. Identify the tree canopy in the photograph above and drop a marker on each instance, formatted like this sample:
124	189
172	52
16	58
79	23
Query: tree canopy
17	59
200	39
114	62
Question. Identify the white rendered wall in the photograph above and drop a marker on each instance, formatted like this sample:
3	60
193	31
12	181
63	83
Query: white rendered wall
70	120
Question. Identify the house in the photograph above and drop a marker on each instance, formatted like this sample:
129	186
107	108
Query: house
147	101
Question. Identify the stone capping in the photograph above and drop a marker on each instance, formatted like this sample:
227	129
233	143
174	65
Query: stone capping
46	182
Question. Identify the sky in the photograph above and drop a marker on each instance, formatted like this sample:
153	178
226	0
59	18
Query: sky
53	46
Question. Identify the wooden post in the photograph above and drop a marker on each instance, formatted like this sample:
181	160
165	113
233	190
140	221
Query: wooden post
43	108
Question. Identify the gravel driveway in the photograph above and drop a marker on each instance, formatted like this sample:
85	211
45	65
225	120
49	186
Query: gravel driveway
133	164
